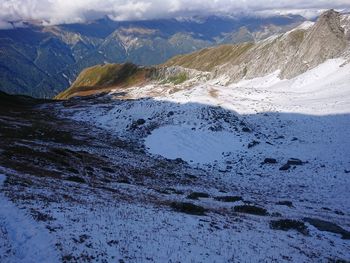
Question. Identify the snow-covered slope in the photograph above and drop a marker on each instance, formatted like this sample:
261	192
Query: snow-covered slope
312	107
228	131
106	192
310	101
22	240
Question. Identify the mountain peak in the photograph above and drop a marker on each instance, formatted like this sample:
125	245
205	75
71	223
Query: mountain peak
331	20
329	14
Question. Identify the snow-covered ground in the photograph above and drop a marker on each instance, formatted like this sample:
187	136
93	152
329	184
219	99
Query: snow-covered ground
22	239
228	131
224	133
191	145
313	107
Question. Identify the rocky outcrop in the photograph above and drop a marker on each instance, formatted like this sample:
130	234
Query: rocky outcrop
325	40
293	53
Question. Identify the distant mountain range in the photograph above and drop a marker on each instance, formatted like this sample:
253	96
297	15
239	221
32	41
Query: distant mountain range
289	55
41	61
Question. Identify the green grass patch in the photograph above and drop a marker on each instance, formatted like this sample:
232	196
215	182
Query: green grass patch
177	79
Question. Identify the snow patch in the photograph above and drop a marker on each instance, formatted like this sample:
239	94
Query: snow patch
261	82
199	146
306	25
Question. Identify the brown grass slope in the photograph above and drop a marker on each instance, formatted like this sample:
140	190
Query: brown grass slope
209	58
103	78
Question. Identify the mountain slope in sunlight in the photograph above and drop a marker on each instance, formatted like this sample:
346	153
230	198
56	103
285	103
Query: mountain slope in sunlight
100	78
291	54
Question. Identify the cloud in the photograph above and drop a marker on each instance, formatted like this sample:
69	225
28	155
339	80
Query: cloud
71	11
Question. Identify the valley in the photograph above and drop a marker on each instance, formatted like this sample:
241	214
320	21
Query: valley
234	153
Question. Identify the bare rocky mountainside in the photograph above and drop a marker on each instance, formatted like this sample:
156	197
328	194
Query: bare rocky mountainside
234	153
42	61
291	53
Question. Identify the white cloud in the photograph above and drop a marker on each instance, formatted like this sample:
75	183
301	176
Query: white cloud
70	11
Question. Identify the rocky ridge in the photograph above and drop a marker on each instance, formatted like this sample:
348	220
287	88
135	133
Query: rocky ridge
292	53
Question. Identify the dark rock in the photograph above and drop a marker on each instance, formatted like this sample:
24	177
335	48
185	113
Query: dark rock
81	239
251	209
174	191
252	144
328	227
170	113
188	208
140	122
76	179
280	137
89	168
63	152
276	214
162	191
190	176
246	129
38	216
108	170
228	199
135	125
196	195
286	203
339	212
270	160
337	260
289	224
124	181
72	170
294	161
285	167
179	161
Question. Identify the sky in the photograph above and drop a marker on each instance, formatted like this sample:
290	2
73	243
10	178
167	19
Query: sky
72	11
